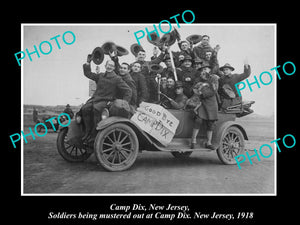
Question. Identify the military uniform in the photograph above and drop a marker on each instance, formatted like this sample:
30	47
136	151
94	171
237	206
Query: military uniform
130	82
201	49
141	87
229	81
187	76
69	111
108	85
180	99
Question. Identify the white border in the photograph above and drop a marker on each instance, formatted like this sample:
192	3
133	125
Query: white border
147	194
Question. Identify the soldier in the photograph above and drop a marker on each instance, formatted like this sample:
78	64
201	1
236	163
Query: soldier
208	111
141	56
108	84
35	115
168	92
69	111
227	90
180	98
145	69
185	51
155	53
186	74
168	71
203	47
140	83
124	73
211	59
197	63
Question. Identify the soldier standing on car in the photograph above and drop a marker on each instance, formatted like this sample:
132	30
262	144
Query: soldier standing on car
207	113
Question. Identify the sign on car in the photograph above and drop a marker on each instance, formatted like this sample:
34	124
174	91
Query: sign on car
156	121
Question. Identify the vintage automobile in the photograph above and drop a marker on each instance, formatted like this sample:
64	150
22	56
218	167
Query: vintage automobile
119	139
48	123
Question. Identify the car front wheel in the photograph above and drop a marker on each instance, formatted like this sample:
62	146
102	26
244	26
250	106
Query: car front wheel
116	147
232	144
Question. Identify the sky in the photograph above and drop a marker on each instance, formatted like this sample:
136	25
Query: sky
57	78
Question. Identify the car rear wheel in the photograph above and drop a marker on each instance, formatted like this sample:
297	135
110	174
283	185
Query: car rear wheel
116	147
232	144
70	152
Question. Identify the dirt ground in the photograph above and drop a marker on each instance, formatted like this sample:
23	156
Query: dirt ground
46	172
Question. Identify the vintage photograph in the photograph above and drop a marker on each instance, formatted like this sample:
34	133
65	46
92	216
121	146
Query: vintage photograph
182	113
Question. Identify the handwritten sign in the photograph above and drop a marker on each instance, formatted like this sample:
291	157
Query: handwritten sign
156	121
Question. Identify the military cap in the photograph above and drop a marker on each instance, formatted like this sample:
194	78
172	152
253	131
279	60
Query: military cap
227	65
178	84
204	65
187	57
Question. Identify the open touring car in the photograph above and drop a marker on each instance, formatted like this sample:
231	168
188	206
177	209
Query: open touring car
119	139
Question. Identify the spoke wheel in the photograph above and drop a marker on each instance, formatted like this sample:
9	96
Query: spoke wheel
116	147
71	153
232	144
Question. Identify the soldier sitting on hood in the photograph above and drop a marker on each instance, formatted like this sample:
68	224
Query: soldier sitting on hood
108	85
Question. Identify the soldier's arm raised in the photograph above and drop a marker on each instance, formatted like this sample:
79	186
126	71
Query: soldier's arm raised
88	73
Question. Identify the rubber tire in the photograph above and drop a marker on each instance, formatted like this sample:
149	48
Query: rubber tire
99	142
240	135
64	153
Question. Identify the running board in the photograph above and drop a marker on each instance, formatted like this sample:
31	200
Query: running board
183	145
187	150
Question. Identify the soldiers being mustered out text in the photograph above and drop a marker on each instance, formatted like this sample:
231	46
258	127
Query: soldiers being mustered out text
108	85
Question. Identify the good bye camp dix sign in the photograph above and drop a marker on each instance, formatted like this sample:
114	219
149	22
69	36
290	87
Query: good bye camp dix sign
156	121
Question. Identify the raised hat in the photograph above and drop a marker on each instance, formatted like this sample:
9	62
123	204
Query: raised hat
135	48
194	38
165	39
154	39
121	51
156	68
108	47
97	55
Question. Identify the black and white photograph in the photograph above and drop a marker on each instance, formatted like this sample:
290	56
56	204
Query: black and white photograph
145	109
140	113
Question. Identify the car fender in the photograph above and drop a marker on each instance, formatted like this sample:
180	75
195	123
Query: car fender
75	130
220	130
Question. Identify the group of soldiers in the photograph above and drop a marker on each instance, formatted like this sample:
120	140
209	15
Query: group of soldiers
192	80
